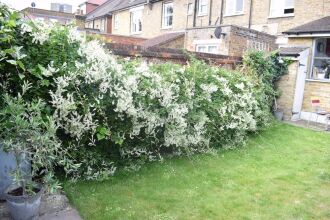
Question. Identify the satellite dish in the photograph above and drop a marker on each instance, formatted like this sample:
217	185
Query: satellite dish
33	5
218	32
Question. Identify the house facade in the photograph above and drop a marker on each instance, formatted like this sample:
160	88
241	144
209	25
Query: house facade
307	85
269	16
100	19
89	6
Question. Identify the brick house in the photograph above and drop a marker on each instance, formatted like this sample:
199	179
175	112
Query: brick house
100	18
48	15
199	18
89	6
309	75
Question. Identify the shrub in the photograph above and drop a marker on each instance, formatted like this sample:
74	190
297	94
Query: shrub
125	111
266	69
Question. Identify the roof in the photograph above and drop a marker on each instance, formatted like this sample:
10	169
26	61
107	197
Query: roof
291	51
103	10
318	26
93	2
39	11
162	39
129	3
115	5
96	2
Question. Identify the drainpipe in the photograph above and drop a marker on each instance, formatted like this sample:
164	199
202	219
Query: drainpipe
195	12
250	15
210	14
221	12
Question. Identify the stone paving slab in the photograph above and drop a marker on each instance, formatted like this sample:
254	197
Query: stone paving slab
53	207
312	125
68	214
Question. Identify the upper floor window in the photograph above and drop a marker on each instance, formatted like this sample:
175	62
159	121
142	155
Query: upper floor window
102	26
167	15
234	7
202	7
190	9
281	8
116	22
136	21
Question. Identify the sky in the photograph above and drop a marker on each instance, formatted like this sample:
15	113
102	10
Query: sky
44	4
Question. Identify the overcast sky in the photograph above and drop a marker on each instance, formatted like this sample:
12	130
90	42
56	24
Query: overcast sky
44	4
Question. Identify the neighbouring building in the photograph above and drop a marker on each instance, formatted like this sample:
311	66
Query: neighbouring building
244	23
48	15
61	7
100	19
308	83
89	6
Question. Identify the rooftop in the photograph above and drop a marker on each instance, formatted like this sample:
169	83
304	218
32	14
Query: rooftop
162	39
291	51
103	10
318	26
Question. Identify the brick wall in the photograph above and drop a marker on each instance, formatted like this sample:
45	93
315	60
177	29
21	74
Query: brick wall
119	39
317	89
158	54
305	11
287	85
235	41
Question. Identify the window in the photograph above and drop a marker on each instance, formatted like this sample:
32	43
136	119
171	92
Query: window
256	45
234	7
136	21
190	9
102	28
201	48
281	8
321	59
202	7
116	21
167	15
207	49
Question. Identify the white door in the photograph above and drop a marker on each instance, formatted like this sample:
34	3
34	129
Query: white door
300	85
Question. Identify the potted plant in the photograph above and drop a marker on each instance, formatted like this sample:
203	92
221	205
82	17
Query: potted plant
29	136
278	113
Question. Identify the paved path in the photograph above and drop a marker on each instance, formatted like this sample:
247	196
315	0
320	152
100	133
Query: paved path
68	214
53	207
313	125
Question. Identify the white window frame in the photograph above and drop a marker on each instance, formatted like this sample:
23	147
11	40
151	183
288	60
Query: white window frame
234	10
201	4
281	4
115	21
315	56
135	26
102	25
207	48
165	15
190	8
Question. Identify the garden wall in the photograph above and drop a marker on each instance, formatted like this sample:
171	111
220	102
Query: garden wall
161	55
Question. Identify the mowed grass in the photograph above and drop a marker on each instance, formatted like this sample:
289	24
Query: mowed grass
282	173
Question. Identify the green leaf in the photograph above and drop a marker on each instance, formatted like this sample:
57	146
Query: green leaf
100	136
45	82
21	76
20	64
13	62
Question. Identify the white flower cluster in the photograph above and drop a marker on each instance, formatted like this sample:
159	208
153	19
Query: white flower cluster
172	109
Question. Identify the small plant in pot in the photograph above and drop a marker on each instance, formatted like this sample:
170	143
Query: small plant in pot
30	136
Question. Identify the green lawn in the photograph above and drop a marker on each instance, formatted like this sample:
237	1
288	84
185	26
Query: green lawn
282	173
